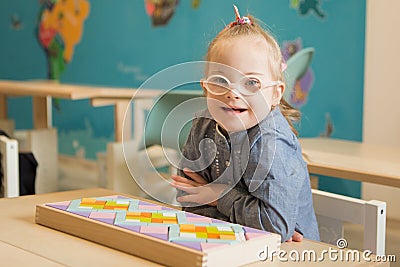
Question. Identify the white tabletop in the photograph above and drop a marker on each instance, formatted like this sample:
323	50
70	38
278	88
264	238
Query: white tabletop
352	160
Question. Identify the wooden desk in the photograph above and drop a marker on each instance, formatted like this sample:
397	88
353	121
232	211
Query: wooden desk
41	91
352	160
23	241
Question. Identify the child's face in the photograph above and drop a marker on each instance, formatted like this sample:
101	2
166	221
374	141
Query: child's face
243	62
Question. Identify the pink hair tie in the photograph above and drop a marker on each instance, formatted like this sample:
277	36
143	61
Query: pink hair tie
239	20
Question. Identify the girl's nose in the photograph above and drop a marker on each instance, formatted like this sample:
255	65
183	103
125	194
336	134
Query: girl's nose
232	94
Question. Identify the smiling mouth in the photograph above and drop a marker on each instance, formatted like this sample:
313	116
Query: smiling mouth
235	110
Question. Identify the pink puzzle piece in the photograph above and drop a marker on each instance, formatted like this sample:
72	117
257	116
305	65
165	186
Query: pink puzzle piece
104	215
198	220
154	229
149	207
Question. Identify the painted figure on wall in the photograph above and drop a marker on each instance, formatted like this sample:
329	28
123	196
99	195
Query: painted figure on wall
304	7
196	3
299	93
16	23
160	11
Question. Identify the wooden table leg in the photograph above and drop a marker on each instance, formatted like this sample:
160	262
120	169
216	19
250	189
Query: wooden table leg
122	110
41	112
3	106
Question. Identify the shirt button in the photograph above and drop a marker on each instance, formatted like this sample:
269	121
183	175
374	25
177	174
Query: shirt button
227	163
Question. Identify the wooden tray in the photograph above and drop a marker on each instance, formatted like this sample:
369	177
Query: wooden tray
156	232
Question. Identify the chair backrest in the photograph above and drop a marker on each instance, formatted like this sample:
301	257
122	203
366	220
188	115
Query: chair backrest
9	166
169	119
296	67
333	209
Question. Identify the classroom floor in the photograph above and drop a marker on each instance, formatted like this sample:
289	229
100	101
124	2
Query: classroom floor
354	237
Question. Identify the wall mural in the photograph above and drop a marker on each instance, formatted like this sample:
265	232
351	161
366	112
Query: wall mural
196	3
328	126
59	29
299	93
16	23
304	7
160	11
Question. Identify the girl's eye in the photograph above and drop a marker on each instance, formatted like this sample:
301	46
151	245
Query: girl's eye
218	80
252	82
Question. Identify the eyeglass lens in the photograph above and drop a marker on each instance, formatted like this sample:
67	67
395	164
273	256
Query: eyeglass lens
220	85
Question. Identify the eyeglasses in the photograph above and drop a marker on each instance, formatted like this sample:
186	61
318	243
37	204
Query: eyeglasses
248	85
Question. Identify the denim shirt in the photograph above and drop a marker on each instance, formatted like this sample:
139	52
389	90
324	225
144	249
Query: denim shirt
269	181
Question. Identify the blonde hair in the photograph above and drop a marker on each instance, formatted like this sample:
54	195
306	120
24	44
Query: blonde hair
275	59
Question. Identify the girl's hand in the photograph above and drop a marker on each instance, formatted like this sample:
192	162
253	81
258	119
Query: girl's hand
296	237
198	190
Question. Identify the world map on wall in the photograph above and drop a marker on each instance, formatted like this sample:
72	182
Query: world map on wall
59	30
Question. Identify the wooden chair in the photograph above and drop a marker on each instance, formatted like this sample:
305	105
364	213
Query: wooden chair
9	166
167	124
168	119
333	210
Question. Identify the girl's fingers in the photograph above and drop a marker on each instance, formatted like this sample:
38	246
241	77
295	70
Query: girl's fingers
185	187
196	177
187	198
297	237
181	179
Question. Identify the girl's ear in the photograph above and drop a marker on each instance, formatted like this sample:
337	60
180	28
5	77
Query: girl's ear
280	89
202	81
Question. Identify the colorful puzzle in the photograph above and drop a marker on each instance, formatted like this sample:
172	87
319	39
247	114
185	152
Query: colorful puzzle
167	225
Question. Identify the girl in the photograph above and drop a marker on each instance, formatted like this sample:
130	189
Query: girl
242	160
